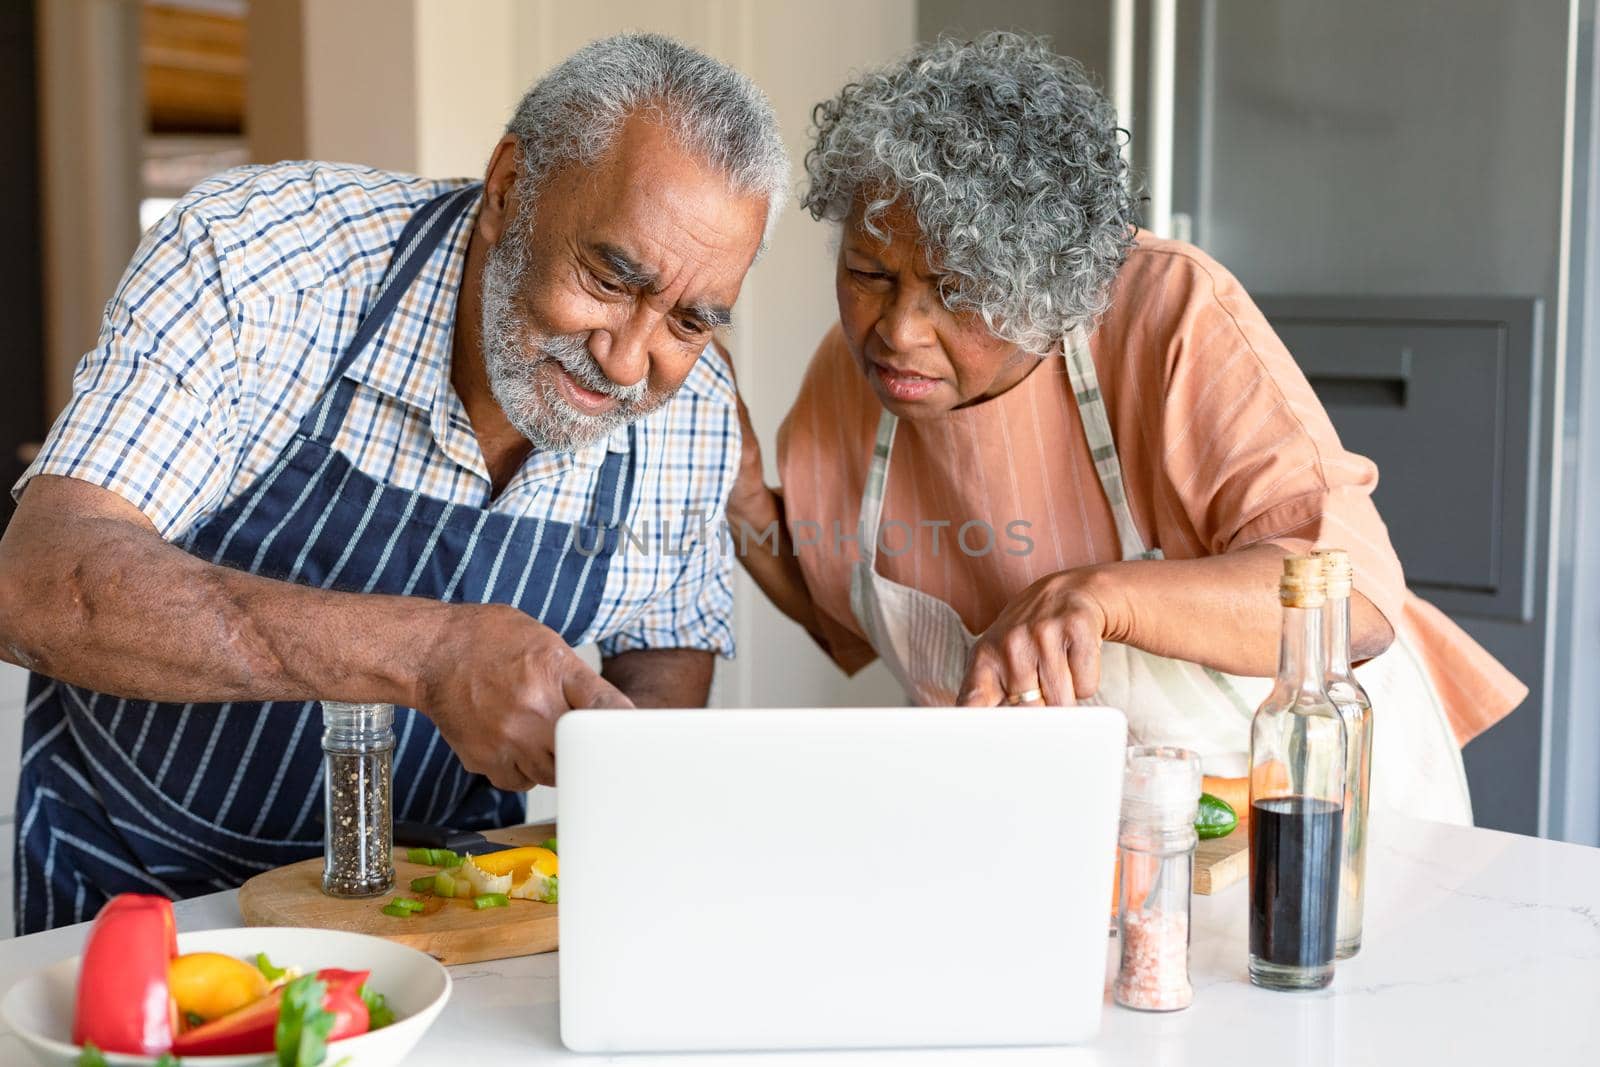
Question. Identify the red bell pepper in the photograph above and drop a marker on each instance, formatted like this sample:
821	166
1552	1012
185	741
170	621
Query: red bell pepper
253	1027
123	1003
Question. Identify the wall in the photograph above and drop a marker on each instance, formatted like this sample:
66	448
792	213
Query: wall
333	81
90	128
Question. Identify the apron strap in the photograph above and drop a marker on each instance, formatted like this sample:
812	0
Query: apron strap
1103	449
421	235
872	493
614	488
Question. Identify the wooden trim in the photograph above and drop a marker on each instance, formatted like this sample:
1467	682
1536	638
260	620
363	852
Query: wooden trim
195	67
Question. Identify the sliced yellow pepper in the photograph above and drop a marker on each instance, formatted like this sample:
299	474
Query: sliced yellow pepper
519	862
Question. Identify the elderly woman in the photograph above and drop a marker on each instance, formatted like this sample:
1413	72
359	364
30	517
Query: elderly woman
1045	456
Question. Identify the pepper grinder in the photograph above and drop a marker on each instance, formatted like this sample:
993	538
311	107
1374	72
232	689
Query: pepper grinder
358	758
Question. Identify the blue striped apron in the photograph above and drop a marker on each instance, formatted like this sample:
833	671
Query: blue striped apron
121	795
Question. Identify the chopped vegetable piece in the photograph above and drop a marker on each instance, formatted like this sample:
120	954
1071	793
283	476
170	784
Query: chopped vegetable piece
379	1014
490	900
208	985
553	892
550	843
444	884
534	887
408	903
443	857
397	911
259	1028
485	881
1214	818
521	873
268	971
519	862
420	855
89	1056
423	884
304	1025
122	1000
1234	792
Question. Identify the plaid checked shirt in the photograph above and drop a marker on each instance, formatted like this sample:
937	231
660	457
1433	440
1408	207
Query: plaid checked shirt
226	326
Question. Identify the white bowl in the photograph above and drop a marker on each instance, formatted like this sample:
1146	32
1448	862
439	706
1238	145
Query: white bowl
39	1008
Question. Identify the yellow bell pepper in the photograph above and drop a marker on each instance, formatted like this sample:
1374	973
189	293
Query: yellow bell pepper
209	985
519	862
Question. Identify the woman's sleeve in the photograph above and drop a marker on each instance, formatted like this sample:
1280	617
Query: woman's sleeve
1249	449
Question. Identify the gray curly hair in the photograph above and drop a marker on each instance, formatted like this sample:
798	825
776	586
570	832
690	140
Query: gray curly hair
1012	163
575	112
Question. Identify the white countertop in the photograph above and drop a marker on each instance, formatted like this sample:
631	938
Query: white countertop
1481	948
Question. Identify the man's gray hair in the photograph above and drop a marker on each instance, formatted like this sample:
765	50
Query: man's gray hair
1011	161
574	114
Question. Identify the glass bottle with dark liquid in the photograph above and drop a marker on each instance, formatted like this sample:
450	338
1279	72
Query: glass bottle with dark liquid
1297	789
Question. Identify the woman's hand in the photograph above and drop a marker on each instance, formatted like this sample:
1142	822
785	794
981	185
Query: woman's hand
1046	642
1218	611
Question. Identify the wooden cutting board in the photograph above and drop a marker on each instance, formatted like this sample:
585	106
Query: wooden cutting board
1222	861
451	931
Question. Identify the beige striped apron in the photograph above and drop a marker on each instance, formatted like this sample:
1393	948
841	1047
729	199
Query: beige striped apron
922	640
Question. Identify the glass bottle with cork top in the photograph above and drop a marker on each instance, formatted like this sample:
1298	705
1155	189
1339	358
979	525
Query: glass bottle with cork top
358	758
1297	782
1351	700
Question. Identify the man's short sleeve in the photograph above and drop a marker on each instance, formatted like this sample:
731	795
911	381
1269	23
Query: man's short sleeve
699	461
696	611
154	404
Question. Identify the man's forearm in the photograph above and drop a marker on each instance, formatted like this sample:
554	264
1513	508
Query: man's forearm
104	602
662	677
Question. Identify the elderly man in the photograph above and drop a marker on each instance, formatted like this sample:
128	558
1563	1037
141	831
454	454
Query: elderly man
368	437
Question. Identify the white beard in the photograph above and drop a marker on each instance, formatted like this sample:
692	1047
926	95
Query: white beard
521	362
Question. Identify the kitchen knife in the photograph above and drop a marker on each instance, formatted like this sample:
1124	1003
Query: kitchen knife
425	835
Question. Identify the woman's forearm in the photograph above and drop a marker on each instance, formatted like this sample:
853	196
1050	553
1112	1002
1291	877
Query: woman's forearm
766	551
1219	611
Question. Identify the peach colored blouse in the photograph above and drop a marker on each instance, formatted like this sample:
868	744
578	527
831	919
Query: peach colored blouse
1222	443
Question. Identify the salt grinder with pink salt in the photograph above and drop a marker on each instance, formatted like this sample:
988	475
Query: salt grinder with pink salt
1160	799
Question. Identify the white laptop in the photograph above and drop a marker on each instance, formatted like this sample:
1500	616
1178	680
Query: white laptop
844	878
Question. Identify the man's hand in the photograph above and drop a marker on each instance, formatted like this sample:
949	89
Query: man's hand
495	682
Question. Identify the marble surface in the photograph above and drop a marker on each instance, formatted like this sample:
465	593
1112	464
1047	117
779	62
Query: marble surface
1482	948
